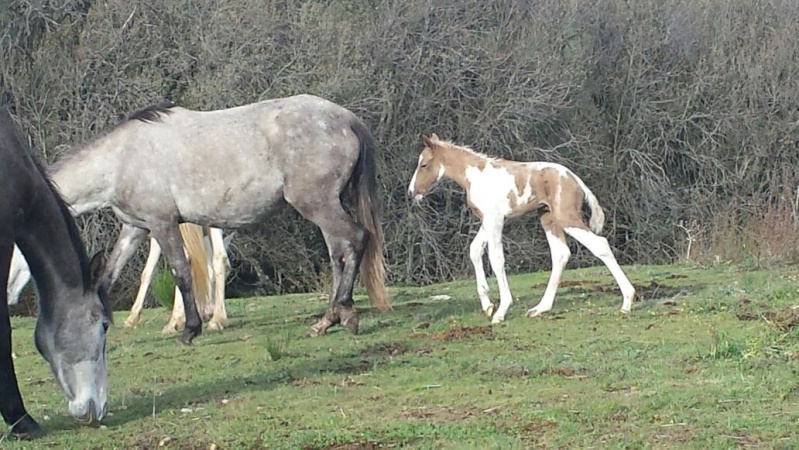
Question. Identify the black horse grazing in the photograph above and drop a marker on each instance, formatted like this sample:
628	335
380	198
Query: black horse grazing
73	316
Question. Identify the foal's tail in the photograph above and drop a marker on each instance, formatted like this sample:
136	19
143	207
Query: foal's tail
597	220
195	251
363	183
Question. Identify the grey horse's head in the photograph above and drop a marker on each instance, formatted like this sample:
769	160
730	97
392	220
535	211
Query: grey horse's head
71	337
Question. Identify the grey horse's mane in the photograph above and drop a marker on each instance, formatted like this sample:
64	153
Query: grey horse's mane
149	114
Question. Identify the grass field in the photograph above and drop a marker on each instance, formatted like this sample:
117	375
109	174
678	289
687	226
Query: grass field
708	359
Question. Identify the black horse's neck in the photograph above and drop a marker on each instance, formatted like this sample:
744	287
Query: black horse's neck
53	251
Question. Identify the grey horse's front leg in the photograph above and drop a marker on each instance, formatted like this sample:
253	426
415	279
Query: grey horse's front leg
126	244
169	238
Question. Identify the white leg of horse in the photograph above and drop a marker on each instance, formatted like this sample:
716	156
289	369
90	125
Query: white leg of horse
599	246
178	320
146	278
476	250
560	252
220	262
19	274
496	257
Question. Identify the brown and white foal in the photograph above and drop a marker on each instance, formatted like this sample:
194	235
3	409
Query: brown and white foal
498	189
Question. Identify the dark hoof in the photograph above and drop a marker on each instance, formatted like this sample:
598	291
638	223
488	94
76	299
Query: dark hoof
188	335
320	328
349	318
26	428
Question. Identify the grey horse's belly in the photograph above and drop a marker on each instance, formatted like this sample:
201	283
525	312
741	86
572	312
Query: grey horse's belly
231	206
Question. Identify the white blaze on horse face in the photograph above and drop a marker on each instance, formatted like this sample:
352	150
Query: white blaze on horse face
412	185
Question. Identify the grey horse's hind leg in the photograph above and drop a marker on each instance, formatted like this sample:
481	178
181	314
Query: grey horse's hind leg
346	241
128	241
171	242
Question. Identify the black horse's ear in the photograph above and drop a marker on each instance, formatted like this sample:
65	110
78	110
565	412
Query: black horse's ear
96	268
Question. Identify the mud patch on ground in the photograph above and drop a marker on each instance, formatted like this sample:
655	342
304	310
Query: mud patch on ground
463	332
154	439
351	446
782	319
392	349
435	414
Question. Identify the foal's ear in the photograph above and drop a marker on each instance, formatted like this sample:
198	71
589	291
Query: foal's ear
96	267
434	137
428	141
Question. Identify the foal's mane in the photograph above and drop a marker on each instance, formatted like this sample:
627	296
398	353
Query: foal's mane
466	149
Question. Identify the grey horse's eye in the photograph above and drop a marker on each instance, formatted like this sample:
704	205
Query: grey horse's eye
105	326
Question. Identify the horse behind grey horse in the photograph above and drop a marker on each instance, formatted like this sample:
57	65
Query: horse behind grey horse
73	316
165	165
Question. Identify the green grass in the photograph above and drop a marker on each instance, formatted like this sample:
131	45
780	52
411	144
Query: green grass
682	371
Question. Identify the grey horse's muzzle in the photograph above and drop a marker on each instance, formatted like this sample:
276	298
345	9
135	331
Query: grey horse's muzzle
91	415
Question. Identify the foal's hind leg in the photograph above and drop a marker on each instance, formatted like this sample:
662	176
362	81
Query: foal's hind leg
599	246
560	252
219	263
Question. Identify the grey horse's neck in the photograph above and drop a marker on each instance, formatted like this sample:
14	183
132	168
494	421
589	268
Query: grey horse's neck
81	184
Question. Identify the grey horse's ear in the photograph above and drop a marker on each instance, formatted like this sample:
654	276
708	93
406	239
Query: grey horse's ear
96	268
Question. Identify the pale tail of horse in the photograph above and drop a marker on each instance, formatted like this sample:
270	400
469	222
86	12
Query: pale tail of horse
363	183
195	252
597	220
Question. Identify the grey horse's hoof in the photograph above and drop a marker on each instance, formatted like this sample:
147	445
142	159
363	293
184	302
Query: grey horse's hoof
188	335
349	318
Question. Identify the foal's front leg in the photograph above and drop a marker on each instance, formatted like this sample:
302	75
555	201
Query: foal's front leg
496	256
476	250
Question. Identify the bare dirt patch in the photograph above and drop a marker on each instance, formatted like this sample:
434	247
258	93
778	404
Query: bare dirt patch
392	349
782	319
463	332
350	446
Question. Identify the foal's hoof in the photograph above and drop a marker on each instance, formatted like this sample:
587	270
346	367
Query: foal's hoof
216	325
320	328
26	428
131	322
534	312
497	320
490	310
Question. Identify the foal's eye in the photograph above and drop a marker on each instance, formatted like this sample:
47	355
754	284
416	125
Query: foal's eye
423	165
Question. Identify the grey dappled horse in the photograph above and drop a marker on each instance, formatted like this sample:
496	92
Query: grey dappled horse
165	165
73	316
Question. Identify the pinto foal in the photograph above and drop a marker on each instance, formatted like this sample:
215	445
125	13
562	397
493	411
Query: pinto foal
498	189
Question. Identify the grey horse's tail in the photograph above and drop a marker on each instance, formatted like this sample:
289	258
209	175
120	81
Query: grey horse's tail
363	185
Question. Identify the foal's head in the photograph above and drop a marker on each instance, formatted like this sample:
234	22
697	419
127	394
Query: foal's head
429	170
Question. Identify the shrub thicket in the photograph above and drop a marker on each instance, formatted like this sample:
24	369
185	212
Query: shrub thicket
680	115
